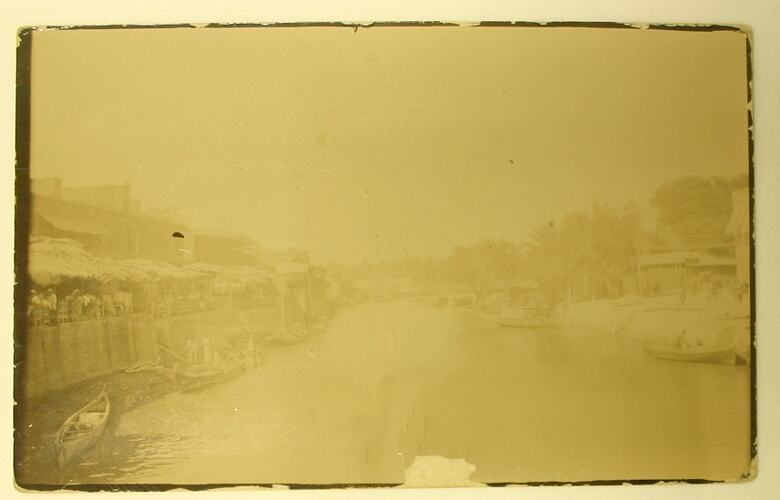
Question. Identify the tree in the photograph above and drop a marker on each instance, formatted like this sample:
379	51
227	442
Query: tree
481	266
596	247
616	235
694	211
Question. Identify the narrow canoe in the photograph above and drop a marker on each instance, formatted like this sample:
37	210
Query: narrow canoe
520	322
143	367
721	354
196	378
82	429
284	337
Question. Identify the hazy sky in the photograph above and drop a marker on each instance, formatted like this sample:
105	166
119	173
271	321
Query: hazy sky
369	145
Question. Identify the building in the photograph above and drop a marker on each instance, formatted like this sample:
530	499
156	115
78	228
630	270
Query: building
111	197
665	272
226	249
108	224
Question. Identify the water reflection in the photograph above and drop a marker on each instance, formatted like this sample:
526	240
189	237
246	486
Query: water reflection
127	458
390	381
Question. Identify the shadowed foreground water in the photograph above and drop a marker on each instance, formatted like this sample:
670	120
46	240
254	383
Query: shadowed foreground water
390	381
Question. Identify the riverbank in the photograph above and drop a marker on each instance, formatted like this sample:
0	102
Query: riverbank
663	319
42	416
285	421
87	364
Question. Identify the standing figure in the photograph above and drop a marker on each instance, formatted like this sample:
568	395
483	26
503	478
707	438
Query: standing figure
51	298
76	305
253	350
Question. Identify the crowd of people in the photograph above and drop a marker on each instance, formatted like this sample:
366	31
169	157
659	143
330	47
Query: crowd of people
46	308
49	308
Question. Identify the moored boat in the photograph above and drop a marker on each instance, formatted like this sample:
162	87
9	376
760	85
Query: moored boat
524	317
518	322
717	354
288	336
197	377
82	429
143	366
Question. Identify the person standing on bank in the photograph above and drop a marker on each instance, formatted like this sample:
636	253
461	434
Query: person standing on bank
253	350
51	298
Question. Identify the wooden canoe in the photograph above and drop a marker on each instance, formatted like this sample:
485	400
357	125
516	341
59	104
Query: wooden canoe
198	377
524	317
82	429
514	322
290	336
143	367
720	354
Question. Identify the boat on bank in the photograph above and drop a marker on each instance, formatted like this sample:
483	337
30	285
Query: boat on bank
144	366
716	354
524	317
82	429
196	377
288	336
516	322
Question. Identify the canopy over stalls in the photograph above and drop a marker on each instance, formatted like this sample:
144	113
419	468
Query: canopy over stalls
158	270
54	259
239	274
246	274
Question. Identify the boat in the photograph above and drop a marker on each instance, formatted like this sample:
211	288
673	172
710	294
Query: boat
197	377
717	354
82	429
517	322
440	301
462	300
288	336
524	317
143	366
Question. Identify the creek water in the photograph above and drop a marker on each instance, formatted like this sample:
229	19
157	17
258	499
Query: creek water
387	382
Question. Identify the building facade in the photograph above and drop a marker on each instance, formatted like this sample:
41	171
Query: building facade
107	225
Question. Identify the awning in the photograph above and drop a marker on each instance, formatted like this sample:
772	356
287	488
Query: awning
243	274
685	259
71	224
52	259
292	268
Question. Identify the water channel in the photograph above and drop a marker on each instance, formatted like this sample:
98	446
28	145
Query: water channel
391	381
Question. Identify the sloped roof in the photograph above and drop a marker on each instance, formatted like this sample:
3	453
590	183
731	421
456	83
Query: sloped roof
53	258
75	224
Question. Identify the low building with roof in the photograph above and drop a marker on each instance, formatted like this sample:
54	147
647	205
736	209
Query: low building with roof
107	222
664	272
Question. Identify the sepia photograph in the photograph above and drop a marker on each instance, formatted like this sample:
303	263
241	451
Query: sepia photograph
399	254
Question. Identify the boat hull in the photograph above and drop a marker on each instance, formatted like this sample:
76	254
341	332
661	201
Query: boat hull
520	322
76	437
194	380
699	354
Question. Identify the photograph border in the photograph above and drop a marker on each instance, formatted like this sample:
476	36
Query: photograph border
22	223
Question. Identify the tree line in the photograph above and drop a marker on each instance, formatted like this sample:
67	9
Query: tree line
593	249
